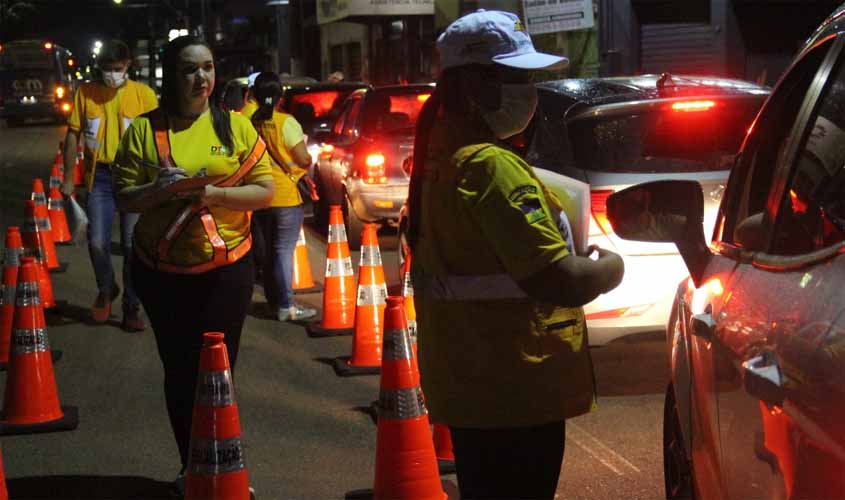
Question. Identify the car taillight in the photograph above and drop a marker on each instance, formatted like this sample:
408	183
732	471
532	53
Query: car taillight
598	204
374	169
693	105
60	91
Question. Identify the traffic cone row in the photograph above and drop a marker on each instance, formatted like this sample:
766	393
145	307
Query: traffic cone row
31	402
369	311
58	218
216	467
34	240
79	167
303	281
339	287
11	262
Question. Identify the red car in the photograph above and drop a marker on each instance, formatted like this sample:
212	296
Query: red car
756	403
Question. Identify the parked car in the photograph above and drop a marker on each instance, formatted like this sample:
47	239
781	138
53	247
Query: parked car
361	168
756	403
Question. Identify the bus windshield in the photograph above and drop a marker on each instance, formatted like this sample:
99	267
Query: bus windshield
23	57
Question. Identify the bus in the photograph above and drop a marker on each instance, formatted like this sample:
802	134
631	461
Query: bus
36	81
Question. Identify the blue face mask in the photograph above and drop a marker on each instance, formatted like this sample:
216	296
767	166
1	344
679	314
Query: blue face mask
517	105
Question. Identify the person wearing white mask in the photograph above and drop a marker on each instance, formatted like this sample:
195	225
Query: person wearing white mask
102	111
502	340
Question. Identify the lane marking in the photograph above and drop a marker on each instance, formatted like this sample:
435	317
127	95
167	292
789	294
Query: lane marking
605	448
595	455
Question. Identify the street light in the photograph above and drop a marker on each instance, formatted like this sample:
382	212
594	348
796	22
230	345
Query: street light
118	2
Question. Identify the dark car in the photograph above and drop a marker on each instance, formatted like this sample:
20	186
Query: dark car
756	403
361	169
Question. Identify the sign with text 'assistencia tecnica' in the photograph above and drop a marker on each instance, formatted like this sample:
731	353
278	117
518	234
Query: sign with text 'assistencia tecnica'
550	16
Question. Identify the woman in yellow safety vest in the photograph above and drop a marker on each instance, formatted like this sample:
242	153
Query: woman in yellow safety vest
282	221
194	172
502	340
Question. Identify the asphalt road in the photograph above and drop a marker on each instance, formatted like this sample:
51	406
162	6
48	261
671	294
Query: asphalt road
306	433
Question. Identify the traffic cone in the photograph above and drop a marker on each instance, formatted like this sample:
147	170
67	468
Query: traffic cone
79	167
216	468
408	294
369	313
38	195
443	449
339	287
36	233
11	262
31	401
406	467
55	178
4	493
303	281
33	241
58	219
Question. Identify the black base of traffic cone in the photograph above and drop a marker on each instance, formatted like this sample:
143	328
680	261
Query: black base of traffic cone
343	369
61	269
314	289
54	355
68	422
316	331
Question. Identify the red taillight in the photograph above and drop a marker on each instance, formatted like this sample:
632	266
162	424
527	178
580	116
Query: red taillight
374	169
693	105
598	205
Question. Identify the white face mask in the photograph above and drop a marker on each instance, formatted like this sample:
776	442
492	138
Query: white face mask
518	103
114	79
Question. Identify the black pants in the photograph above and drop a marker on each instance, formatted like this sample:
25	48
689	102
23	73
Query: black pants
513	463
183	307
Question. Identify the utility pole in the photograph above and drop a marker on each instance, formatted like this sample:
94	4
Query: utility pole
151	47
282	34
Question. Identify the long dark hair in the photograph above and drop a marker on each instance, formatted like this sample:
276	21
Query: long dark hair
267	91
220	119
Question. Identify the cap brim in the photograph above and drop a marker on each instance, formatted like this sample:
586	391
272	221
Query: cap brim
534	60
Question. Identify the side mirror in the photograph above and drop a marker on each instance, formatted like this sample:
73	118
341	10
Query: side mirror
666	212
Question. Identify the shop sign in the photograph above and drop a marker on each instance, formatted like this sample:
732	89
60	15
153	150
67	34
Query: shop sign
334	10
550	16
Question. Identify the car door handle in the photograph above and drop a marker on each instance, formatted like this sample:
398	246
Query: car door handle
703	326
762	379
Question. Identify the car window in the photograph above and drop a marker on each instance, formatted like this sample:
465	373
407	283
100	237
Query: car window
388	111
812	214
751	179
337	129
549	146
323	102
351	119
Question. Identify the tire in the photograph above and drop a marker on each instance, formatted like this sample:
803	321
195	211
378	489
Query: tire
354	227
677	467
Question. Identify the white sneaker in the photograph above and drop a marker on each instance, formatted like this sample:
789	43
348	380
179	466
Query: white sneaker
296	312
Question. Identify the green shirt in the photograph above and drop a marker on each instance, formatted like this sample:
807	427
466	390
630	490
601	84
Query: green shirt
493	363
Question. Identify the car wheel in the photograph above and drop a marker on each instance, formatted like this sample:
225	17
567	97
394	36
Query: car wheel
677	467
354	227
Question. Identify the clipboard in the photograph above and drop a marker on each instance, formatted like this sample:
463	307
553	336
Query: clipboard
193	183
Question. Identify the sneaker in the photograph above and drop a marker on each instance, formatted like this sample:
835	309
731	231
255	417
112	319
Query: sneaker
101	310
295	313
178	485
132	320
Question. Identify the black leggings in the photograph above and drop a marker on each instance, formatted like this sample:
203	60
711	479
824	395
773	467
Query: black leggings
513	463
183	307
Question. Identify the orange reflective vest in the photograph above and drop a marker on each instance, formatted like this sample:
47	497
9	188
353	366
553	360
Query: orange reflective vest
221	255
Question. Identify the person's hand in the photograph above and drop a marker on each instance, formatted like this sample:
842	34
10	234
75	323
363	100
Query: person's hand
167	176
68	188
613	263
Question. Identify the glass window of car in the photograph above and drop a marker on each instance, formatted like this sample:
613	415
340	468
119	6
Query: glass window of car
812	211
392	110
744	208
350	128
549	146
337	129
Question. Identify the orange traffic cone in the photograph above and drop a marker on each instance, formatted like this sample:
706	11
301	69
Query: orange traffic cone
55	177
11	262
443	449
79	167
339	292
406	466
408	294
38	195
31	401
58	219
4	493
303	281
369	314
36	233
33	241
216	468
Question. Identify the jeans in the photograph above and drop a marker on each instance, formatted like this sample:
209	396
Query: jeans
281	227
101	208
182	307
517	462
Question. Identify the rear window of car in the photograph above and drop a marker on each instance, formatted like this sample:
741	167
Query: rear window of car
673	136
323	102
388	111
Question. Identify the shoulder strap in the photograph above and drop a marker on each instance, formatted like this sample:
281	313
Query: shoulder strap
158	121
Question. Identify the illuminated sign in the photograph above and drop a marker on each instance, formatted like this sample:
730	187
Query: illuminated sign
551	16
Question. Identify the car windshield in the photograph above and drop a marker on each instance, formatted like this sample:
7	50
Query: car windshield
392	111
324	102
679	136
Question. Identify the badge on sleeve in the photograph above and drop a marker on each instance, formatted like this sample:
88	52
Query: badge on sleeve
525	197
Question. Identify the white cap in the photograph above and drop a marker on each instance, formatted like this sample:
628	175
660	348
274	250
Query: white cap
492	36
250	80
